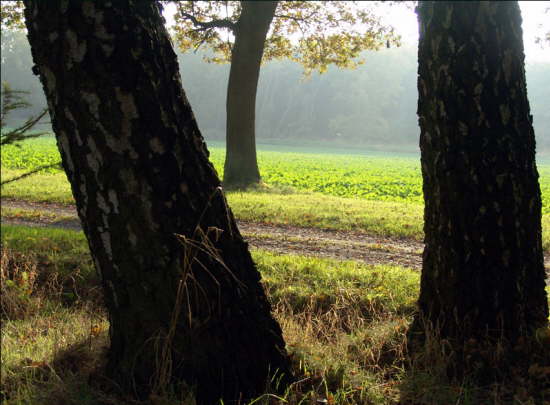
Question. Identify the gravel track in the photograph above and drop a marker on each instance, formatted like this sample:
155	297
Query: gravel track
341	245
279	238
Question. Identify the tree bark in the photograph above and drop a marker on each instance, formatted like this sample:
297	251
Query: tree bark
241	165
184	297
483	269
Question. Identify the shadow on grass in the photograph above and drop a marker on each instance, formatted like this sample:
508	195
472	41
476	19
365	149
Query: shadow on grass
477	373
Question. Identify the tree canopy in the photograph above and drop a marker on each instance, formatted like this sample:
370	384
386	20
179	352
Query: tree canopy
312	33
11	14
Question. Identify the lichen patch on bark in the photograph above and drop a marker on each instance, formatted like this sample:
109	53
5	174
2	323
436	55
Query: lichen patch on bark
77	49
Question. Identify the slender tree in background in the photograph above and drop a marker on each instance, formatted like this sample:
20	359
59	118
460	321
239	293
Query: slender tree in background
184	298
328	33
241	166
13	100
483	270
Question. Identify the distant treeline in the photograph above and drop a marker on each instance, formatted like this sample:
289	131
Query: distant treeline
372	106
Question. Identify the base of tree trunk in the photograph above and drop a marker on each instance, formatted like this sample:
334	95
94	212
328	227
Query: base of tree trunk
243	185
483	360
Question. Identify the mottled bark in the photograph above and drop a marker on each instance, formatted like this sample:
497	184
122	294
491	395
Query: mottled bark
241	165
483	271
181	308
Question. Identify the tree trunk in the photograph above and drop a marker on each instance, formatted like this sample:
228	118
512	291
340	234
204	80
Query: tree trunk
184	297
241	165
483	269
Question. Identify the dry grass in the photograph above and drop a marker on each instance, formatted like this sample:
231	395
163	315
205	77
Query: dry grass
19	297
51	333
345	326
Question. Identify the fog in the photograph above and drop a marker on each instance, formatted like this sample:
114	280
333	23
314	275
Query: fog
372	107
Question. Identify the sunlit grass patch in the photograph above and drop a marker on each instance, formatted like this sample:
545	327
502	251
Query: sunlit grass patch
383	193
362	175
276	206
56	244
49	359
60	258
41	187
30	154
342	366
323	285
546	232
367	176
31	214
322	211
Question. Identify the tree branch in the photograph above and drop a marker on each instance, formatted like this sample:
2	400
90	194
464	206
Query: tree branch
291	17
203	26
206	35
38	169
297	19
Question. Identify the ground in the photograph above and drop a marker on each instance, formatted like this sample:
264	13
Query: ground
343	298
335	244
342	245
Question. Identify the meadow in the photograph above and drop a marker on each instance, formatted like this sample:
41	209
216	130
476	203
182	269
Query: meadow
372	192
374	176
54	324
344	323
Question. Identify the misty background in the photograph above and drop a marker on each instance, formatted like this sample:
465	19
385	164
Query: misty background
372	107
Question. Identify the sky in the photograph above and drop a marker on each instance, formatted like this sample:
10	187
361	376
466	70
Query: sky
535	22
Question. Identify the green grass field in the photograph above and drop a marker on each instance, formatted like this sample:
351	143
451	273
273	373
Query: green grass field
370	176
371	193
344	323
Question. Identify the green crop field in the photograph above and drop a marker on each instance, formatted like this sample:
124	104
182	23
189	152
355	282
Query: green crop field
372	176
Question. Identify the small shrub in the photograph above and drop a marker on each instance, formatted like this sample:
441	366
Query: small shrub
19	297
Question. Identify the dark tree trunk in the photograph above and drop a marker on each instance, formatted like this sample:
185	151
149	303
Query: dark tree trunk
483	270
182	308
241	165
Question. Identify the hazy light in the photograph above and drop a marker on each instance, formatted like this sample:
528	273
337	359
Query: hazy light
535	24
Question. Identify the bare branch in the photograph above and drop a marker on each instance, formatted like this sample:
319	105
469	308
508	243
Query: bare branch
203	26
30	173
297	19
205	38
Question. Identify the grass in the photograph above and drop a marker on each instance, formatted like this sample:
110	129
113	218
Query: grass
316	284
316	210
32	214
275	205
360	175
368	176
371	193
338	295
43	187
271	205
56	245
344	323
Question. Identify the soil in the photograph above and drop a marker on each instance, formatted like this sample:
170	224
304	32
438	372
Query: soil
342	245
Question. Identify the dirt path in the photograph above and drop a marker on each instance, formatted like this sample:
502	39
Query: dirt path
340	245
279	238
